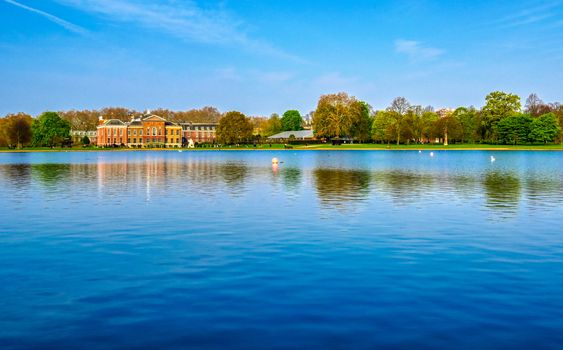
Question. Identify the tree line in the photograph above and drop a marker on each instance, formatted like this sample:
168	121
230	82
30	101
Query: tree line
502	120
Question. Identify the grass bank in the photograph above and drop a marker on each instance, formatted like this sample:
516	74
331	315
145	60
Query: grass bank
357	146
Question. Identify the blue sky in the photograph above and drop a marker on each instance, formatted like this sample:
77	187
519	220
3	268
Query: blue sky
261	57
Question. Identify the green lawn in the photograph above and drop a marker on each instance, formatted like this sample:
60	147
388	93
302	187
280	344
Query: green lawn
356	146
368	146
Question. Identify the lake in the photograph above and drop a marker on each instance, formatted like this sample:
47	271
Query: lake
328	250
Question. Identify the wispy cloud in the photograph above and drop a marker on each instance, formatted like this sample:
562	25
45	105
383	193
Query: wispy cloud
65	24
182	19
416	50
532	14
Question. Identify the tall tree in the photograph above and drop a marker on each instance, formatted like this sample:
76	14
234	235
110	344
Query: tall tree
3	137
234	128
17	129
123	114
398	109
545	128
291	120
534	105
361	127
514	129
340	115
381	127
84	120
448	126
469	123
273	125
202	115
49	129
499	105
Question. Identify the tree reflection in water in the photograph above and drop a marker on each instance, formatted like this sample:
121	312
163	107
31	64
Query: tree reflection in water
341	187
291	178
543	191
51	175
502	190
16	175
402	186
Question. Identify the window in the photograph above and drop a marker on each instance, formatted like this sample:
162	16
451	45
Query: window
153	132
141	132
159	131
178	132
128	132
134	140
109	140
135	132
120	140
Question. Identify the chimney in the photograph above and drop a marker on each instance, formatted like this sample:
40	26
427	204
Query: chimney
100	120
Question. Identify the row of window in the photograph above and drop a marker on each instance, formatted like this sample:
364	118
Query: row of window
155	132
204	128
147	140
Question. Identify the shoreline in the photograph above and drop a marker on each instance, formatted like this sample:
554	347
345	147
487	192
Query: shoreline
303	148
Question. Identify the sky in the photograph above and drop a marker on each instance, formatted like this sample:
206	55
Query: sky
264	57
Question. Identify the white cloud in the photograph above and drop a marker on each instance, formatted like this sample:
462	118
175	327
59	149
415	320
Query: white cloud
182	19
416	50
65	24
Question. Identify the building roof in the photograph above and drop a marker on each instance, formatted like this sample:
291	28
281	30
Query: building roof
153	117
300	134
114	122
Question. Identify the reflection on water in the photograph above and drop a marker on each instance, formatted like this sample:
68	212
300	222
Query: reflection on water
292	178
341	187
335	187
52	175
404	187
338	249
502	190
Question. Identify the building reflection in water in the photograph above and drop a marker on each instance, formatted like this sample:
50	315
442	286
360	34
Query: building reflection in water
191	179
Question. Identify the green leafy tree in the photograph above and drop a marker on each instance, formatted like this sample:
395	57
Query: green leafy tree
85	140
361	128
273	125
498	105
234	128
381	130
428	120
514	129
291	120
340	115
448	127
398	110
545	128
468	118
49	129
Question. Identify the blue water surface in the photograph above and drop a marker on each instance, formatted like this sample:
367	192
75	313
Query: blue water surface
328	250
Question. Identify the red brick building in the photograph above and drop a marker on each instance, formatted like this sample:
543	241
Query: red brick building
199	132
147	131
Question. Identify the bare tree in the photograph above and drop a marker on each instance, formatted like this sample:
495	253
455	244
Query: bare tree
534	105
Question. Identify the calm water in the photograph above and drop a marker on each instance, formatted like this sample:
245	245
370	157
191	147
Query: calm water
215	250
